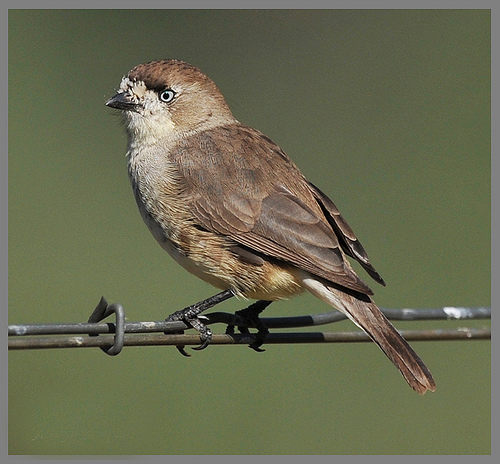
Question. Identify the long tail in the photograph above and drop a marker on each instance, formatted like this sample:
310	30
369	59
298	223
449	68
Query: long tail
365	314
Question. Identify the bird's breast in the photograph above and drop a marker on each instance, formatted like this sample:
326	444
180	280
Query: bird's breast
158	193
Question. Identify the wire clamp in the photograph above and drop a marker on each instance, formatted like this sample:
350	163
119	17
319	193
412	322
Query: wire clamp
102	311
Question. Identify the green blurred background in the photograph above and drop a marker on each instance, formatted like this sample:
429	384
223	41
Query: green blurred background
388	111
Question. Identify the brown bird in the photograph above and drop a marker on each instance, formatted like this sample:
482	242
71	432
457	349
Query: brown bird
233	209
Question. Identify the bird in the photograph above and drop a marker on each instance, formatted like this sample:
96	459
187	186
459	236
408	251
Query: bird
233	209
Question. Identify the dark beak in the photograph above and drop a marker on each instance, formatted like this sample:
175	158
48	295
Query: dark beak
120	102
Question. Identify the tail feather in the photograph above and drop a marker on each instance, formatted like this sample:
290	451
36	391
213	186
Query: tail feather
365	314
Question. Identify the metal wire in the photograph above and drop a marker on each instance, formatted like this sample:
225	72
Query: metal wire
107	341
26	336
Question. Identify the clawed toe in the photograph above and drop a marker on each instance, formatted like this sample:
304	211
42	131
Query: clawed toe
181	350
190	316
196	323
203	345
256	347
250	317
261	337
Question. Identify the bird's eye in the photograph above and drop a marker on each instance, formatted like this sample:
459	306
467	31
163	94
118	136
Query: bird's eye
167	95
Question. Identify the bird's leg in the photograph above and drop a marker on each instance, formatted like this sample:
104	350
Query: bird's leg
250	316
190	316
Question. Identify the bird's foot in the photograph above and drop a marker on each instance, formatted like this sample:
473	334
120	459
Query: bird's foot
197	323
191	317
250	317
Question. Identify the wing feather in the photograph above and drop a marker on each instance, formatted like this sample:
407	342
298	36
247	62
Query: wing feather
255	195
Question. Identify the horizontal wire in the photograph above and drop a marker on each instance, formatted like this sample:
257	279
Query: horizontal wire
22	343
447	313
27	336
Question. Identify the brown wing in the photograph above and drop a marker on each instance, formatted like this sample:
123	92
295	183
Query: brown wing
252	192
348	241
